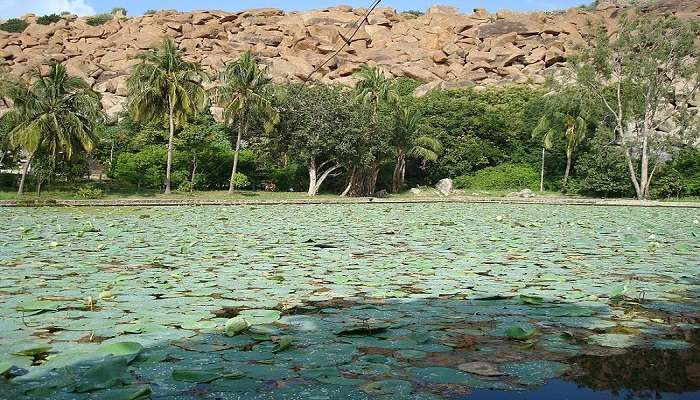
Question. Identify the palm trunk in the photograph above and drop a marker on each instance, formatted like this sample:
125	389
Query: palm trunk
399	174
25	170
542	173
235	155
170	147
568	170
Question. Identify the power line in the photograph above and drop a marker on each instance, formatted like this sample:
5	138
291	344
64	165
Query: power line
356	25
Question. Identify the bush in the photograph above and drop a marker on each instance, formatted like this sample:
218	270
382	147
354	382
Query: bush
501	177
48	19
150	12
143	169
240	181
14	25
90	192
121	10
97	20
603	173
680	177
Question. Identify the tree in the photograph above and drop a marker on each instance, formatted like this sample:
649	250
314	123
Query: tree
164	83
409	142
320	127
374	90
564	115
53	113
644	75
243	96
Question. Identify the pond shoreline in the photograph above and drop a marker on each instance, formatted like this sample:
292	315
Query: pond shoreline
357	200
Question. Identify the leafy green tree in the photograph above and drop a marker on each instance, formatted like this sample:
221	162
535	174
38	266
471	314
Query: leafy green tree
319	127
644	75
408	141
142	169
53	113
375	90
164	83
243	94
564	116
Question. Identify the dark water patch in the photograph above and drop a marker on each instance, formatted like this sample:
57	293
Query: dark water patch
562	390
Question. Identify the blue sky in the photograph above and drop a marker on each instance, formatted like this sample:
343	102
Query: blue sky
11	8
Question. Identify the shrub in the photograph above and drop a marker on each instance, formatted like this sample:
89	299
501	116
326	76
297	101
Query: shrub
240	180
121	10
501	177
48	19
414	13
14	25
97	20
143	169
602	172
150	12
90	192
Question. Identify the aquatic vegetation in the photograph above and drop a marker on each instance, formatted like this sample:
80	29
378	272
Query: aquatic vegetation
343	301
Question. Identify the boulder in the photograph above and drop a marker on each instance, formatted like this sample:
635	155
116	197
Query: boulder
525	193
415	191
444	186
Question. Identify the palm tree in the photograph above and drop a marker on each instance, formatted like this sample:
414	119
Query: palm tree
549	126
373	89
164	83
408	142
55	113
243	96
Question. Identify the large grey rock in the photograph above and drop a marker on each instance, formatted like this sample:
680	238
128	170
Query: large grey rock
525	193
444	186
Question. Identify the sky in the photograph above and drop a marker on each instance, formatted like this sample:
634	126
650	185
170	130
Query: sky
14	8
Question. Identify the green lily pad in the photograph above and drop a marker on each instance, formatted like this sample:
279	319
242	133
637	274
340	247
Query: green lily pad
519	333
260	317
235	325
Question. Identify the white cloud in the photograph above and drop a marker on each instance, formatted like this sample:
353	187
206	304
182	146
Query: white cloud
15	8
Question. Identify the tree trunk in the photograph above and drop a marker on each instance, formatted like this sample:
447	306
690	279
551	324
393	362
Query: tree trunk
351	179
644	173
312	178
542	173
235	155
568	169
25	170
363	182
194	168
399	174
38	187
171	138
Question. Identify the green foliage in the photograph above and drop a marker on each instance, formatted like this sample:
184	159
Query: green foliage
502	177
119	10
14	25
90	192
99	19
150	12
680	177
480	129
602	170
48	19
144	169
413	13
240	181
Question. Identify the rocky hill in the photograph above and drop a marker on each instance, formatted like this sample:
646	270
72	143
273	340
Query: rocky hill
443	47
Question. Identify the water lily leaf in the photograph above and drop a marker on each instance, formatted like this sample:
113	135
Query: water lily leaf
34	351
38	306
480	368
131	393
618	340
108	373
196	375
527	299
5	367
235	325
128	350
534	372
518	333
618	292
260	316
283	344
392	387
364	328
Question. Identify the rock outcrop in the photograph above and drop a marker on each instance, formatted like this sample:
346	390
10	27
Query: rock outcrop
443	48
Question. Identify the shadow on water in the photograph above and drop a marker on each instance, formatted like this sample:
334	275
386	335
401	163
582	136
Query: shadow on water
393	349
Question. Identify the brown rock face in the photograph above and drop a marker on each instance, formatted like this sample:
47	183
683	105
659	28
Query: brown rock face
443	48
